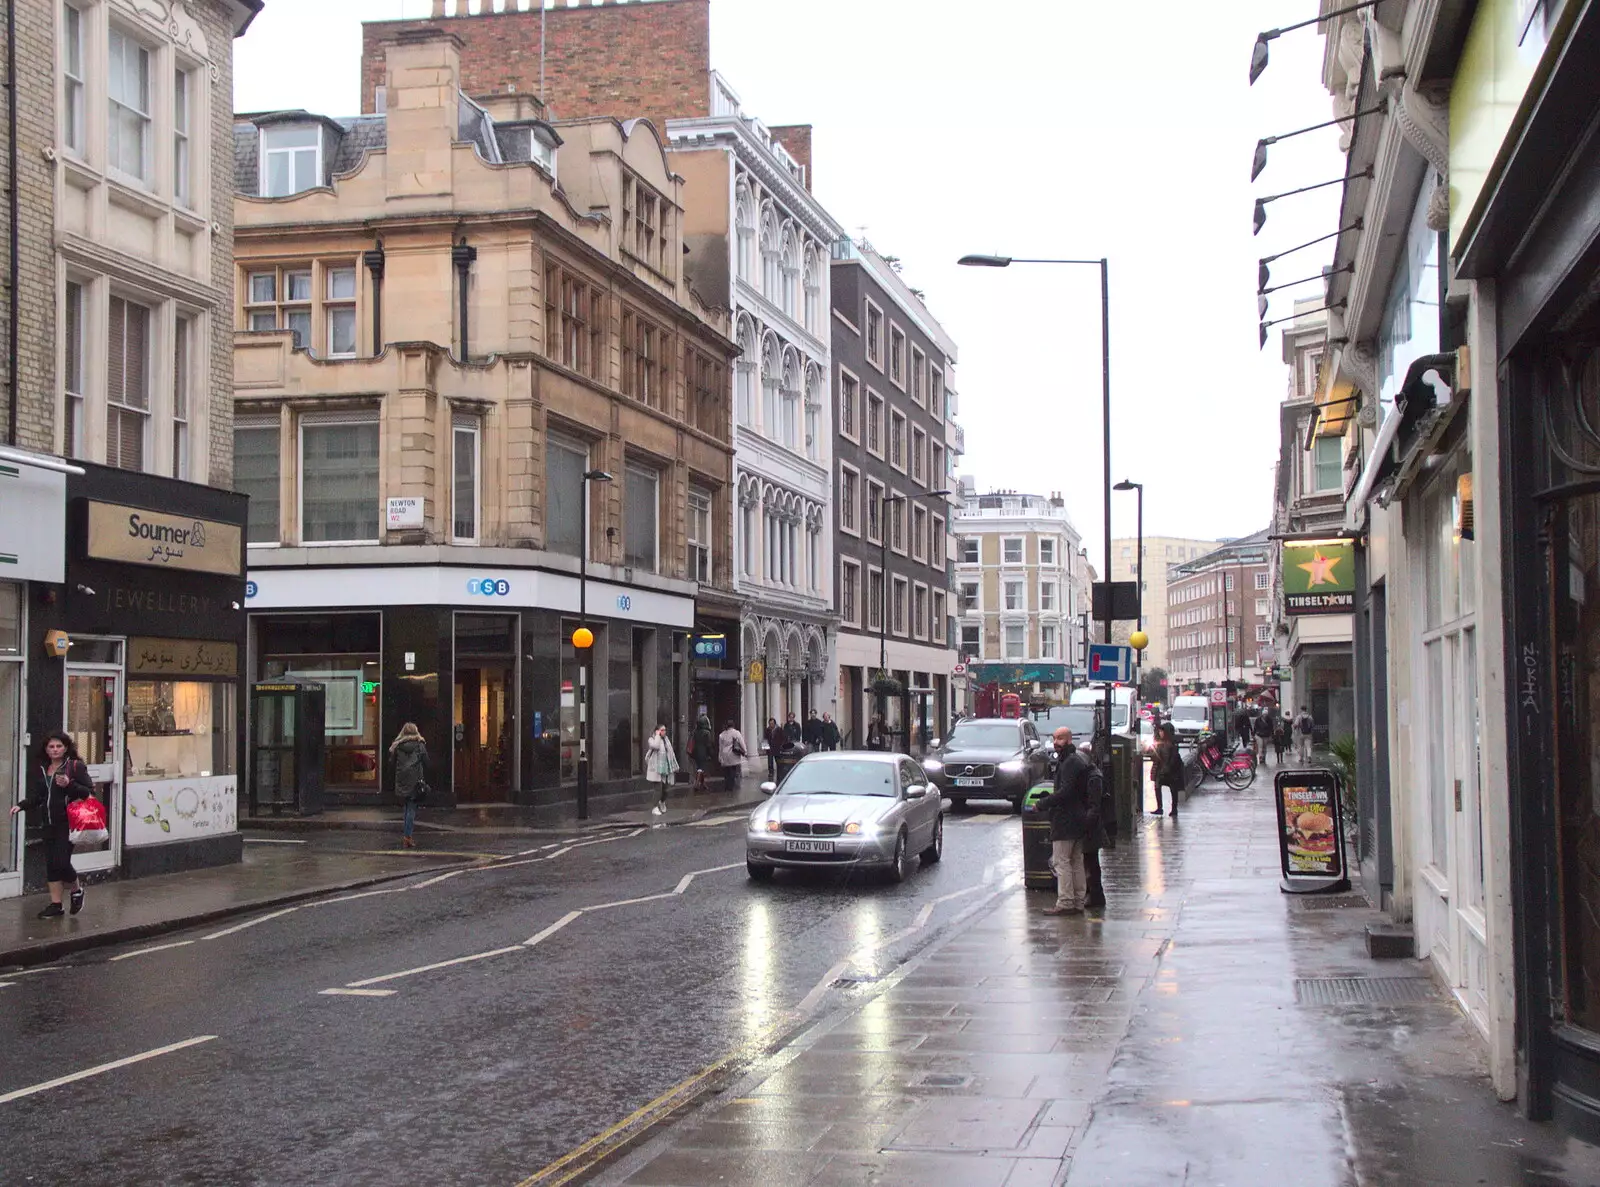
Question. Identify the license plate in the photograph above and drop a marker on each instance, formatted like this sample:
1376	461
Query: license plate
808	846
969	782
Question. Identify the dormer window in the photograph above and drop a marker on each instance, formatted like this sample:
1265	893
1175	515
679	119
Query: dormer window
291	159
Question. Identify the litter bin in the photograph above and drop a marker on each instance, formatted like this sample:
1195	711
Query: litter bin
789	755
1037	873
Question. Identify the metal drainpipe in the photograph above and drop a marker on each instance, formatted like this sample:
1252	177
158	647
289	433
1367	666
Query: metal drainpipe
14	322
462	255
374	262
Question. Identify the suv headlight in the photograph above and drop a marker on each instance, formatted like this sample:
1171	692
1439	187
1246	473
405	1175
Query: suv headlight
1014	767
932	764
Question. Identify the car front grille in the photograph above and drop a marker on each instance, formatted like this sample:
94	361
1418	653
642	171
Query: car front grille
800	828
969	770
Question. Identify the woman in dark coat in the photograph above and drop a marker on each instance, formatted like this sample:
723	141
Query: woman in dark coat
60	778
703	749
1166	769
410	777
776	741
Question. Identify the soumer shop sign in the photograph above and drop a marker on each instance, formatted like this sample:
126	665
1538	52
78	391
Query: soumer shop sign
1319	577
138	536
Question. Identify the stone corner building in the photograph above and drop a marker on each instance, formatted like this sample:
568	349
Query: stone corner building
450	311
118	425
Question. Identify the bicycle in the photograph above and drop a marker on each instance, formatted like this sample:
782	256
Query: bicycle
1235	767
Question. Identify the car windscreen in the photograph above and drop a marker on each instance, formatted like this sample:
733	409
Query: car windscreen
841	776
1200	713
1119	711
1077	718
985	737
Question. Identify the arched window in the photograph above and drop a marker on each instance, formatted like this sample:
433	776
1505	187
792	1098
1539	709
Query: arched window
790	279
746	223
813	294
745	373
791	400
771	258
771	380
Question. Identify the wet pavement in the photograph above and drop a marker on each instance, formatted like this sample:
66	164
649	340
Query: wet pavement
1206	1030
468	1026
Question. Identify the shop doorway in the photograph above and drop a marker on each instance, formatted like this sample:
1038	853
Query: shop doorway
484	744
94	721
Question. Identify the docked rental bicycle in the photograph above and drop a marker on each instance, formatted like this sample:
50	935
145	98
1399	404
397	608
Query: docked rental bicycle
1236	767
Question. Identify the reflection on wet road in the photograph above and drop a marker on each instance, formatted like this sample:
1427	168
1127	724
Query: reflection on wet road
468	1028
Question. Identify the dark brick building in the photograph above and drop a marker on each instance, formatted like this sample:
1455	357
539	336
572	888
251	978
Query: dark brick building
893	433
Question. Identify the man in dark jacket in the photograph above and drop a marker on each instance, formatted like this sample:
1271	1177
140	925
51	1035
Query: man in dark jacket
1243	725
811	733
1074	811
791	729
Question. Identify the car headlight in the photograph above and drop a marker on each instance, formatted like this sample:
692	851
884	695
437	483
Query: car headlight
774	826
861	828
932	764
1014	767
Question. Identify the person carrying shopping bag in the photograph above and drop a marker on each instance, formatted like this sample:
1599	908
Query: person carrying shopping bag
60	778
703	750
660	766
410	777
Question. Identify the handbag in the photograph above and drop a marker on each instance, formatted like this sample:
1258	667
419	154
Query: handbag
86	822
421	792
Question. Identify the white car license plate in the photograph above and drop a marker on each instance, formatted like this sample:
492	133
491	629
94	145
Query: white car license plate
969	782
808	846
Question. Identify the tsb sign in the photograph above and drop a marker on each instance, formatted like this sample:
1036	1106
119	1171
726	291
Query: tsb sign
488	587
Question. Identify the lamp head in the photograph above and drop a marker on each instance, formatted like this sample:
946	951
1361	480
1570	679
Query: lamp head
1128	484
983	261
1259	218
1259	161
1258	57
1261	305
596	476
583	638
1263	275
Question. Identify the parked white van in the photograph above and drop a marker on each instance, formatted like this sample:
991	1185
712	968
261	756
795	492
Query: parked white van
1190	717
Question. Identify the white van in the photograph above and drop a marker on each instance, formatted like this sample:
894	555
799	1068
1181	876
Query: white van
1122	706
1190	717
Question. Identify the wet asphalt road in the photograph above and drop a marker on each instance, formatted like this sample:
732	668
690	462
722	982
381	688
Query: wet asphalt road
479	1072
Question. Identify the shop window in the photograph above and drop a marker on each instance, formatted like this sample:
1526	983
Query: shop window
177	730
255	473
464	485
641	518
339	481
339	651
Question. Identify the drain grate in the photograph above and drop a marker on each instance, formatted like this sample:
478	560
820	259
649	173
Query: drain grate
1363	991
1331	902
941	1080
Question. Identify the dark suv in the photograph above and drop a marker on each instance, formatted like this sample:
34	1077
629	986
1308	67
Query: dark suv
989	758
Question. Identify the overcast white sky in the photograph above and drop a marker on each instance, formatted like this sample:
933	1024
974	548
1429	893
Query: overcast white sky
1028	128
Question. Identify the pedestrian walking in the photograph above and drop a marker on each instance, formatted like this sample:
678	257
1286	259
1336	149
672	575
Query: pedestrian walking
1244	727
731	754
811	734
703	750
791	729
1074	811
830	732
60	778
776	740
1280	736
1263	732
410	754
660	766
877	734
1305	725
1166	768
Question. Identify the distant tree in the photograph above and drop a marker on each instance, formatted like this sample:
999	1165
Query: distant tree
1150	685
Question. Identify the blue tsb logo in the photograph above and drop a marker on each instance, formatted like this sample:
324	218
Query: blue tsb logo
488	587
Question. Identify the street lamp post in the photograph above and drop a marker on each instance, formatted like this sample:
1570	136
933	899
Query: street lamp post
1125	484
583	640
988	261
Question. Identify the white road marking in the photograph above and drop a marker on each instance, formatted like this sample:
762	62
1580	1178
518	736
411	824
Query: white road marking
147	951
445	877
428	968
683	883
6	984
238	927
18	1094
713	821
810	1000
544	935
359	992
270	841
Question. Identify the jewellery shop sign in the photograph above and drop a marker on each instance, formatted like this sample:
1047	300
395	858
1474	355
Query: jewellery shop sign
138	536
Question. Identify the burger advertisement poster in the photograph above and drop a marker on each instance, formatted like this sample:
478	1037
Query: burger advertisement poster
1310	812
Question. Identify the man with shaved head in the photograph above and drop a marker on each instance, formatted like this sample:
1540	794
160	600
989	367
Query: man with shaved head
1074	810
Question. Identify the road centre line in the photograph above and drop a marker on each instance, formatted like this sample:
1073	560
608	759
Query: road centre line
73	1078
544	935
147	951
359	992
238	927
428	968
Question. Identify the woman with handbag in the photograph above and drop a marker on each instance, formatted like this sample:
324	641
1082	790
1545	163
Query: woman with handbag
410	755
60	778
1166	768
660	766
731	754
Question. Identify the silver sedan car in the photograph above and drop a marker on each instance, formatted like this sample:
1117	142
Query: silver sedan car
849	808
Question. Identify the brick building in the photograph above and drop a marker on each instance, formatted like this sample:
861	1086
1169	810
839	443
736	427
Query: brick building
1160	554
894	371
757	243
118	423
450	316
1219	616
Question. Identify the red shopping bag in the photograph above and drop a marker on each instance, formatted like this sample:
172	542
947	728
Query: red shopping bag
86	822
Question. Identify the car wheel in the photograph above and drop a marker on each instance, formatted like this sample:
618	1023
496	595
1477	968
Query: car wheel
936	850
758	873
901	869
958	805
